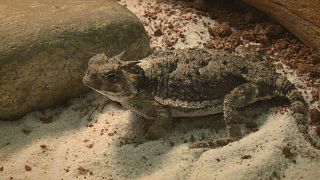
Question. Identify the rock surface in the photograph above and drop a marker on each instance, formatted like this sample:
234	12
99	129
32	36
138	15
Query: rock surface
302	18
45	46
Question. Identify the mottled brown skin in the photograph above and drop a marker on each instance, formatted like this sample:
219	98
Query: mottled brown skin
192	82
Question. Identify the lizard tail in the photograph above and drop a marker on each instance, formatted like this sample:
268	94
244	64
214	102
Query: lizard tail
299	106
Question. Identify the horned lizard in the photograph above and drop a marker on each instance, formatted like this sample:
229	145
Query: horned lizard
192	82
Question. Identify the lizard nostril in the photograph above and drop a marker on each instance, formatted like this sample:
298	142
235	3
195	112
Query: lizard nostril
95	79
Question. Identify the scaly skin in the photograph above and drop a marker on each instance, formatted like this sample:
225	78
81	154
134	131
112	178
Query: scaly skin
193	82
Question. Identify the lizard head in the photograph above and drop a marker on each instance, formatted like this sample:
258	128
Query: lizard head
108	75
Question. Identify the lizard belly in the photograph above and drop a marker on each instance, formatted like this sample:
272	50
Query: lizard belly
177	112
181	108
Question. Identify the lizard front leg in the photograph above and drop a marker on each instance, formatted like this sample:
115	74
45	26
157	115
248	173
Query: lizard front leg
152	110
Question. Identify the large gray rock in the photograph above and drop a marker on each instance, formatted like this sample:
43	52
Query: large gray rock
45	46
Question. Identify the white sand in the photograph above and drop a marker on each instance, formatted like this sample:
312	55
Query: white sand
70	135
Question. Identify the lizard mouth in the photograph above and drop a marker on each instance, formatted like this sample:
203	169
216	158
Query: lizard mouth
87	83
93	86
106	93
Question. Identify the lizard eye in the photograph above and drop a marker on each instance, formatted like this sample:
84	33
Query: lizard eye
111	76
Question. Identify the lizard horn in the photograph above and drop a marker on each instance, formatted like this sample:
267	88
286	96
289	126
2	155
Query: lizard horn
128	63
120	55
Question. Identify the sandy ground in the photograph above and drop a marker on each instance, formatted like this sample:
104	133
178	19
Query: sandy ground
78	141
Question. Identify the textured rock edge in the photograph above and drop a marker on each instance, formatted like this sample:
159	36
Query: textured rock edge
301	26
